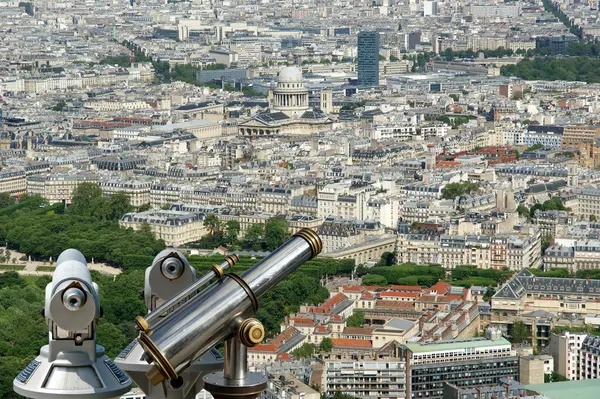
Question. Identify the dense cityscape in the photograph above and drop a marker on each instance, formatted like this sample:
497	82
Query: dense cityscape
447	154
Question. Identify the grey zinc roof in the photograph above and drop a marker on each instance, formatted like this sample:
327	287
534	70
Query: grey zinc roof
524	281
399	324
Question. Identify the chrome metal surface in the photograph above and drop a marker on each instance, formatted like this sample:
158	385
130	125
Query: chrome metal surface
172	268
73	299
213	315
192	290
236	360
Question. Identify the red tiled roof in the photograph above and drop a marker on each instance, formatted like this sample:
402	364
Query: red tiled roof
351	343
336	317
398	294
298	321
440	287
414	288
356	288
320	329
264	348
394	304
367	295
283	357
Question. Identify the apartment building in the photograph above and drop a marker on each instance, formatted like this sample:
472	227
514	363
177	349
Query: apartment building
565	348
13	181
345	200
574	135
58	187
573	254
505	250
589	366
286	386
138	192
465	363
175	228
584	201
385	379
525	292
162	194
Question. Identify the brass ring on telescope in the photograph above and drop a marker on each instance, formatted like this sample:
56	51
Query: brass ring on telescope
246	288
141	323
250	332
218	271
232	259
166	370
316	245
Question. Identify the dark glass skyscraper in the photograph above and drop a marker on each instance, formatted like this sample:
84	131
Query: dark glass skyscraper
368	58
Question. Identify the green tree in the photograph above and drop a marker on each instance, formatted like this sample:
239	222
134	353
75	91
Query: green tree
232	228
593	218
387	259
5	200
305	351
276	233
546	241
356	320
326	345
554	204
453	190
87	198
374	279
489	294
554	377
212	223
60	106
523	211
340	395
118	205
519	333
254	236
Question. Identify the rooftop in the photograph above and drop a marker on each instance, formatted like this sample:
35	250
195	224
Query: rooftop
583	389
471	343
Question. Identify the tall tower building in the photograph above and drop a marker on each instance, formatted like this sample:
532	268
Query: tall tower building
572	174
326	101
368	58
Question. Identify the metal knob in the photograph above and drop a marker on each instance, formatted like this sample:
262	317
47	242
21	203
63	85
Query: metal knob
251	332
73	299
172	268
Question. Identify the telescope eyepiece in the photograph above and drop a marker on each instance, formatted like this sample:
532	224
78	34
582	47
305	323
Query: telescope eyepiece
73	299
172	268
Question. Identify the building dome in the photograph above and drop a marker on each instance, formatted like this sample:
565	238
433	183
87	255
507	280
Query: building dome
290	75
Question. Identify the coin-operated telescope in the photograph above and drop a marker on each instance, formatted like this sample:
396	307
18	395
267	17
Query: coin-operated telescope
170	283
223	311
72	365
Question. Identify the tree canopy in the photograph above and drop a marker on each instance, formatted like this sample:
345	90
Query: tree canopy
453	190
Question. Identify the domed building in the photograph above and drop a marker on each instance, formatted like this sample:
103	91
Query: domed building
289	111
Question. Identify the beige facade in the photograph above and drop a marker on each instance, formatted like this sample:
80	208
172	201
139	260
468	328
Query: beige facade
174	227
57	187
370	250
13	182
137	192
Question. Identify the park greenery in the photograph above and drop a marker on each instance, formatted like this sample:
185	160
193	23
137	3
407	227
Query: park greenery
90	224
259	237
453	190
519	332
582	69
307	350
356	320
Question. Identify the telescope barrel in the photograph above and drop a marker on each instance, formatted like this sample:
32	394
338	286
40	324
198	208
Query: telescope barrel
217	312
152	319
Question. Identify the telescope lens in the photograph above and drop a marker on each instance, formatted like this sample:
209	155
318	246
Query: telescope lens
73	299
172	268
